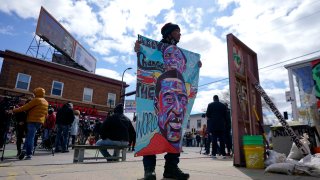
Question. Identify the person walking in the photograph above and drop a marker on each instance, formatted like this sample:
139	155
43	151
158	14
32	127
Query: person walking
216	121
37	110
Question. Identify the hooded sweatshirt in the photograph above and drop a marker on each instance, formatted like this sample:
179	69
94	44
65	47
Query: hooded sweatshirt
37	108
117	127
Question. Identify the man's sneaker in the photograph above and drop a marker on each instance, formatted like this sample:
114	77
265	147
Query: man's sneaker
175	172
29	157
22	155
149	174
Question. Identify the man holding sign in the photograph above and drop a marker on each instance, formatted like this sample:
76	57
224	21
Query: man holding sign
160	129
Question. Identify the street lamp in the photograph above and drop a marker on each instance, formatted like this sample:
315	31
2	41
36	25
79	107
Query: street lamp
121	92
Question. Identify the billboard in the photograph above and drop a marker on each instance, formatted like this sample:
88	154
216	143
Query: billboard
130	106
245	100
49	29
53	32
82	57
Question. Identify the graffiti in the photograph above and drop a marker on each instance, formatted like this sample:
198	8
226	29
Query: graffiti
288	130
146	64
147	124
145	91
242	97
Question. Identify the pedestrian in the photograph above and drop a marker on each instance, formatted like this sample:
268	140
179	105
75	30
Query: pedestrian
48	128
116	130
228	136
216	121
21	128
132	141
37	110
64	120
74	128
171	35
198	139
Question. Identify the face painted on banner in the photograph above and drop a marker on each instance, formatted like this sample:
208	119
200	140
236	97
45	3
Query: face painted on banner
172	106
316	78
174	59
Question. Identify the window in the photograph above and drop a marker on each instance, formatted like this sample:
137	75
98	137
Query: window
188	125
199	124
87	94
57	88
23	81
111	101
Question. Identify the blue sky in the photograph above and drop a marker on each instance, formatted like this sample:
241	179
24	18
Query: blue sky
276	31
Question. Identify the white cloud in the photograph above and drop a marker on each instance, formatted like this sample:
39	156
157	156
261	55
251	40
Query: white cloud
128	78
223	4
7	30
111	59
212	50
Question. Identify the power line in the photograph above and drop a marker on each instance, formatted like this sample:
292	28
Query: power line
304	17
213	82
289	59
282	26
264	67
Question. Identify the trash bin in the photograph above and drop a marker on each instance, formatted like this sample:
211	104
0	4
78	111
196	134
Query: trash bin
254	151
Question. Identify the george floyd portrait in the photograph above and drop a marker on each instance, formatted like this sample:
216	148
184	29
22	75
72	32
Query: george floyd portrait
170	103
167	79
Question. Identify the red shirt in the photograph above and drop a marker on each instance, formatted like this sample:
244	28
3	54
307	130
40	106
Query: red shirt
50	121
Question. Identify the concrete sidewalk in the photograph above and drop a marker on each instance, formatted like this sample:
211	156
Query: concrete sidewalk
60	166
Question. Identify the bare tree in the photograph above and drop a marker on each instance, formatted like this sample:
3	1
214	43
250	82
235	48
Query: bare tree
225	97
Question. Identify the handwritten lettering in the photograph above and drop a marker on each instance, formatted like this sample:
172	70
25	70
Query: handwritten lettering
145	91
146	64
283	122
147	123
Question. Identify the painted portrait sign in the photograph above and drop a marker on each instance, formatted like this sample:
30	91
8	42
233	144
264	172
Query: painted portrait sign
167	81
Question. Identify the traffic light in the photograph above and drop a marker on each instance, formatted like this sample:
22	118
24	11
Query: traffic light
285	115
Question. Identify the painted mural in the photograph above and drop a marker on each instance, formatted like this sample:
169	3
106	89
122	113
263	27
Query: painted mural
167	81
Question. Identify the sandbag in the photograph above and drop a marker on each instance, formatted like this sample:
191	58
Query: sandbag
283	168
295	153
274	157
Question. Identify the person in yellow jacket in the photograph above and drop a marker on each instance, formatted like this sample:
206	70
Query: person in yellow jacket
37	110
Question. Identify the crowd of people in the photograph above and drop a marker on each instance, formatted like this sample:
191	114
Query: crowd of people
62	128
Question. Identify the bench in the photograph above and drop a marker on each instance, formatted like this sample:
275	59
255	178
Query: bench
78	155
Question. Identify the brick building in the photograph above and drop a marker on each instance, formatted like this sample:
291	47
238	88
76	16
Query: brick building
96	95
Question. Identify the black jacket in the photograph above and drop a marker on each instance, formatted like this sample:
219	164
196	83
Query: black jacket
117	127
65	116
216	116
